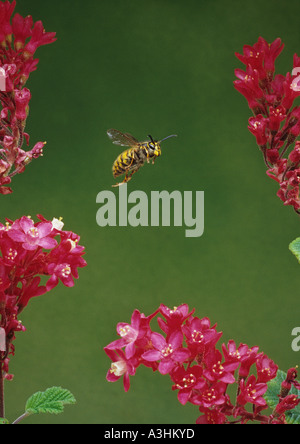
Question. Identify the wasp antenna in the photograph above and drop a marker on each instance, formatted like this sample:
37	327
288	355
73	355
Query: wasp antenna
168	137
151	138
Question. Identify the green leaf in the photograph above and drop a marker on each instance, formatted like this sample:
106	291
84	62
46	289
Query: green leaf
52	400
271	397
295	248
3	421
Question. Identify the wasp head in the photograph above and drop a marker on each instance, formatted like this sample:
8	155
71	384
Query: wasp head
154	147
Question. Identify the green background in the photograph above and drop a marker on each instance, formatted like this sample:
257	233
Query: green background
151	67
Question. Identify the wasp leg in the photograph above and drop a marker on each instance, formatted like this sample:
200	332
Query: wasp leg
127	178
118	184
127	175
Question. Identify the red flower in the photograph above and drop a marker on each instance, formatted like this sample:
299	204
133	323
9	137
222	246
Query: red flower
120	367
216	370
272	51
294	156
58	272
266	369
248	357
19	38
243	354
277	115
4	280
187	381
200	372
261	56
6	10
200	336
22	99
30	289
252	392
248	85
28	251
285	404
174	317
136	334
169	353
276	125
64	261
272	156
289	381
211	416
211	395
21	28
39	37
258	126
32	236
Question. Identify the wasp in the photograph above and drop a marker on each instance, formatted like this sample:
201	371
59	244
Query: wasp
132	159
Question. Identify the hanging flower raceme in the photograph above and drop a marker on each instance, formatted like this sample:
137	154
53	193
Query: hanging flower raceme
276	121
28	251
19	39
200	373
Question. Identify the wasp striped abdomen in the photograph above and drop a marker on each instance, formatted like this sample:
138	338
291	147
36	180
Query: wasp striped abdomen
124	162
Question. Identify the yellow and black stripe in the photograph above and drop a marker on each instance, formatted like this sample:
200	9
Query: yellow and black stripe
123	162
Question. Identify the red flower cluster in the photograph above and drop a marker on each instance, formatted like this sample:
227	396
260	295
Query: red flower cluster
276	123
286	401
199	371
28	251
19	39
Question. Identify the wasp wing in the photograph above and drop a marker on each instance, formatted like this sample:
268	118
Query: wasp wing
123	139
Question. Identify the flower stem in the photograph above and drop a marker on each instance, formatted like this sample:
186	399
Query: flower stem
2	405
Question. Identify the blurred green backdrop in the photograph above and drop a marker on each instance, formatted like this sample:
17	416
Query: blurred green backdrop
158	67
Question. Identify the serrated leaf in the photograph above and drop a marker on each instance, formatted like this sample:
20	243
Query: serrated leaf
295	248
271	397
52	401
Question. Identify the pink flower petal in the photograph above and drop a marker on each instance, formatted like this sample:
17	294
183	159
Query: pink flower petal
16	235
181	355
29	247
151	355
26	223
158	341
47	243
52	282
44	228
165	366
176	339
